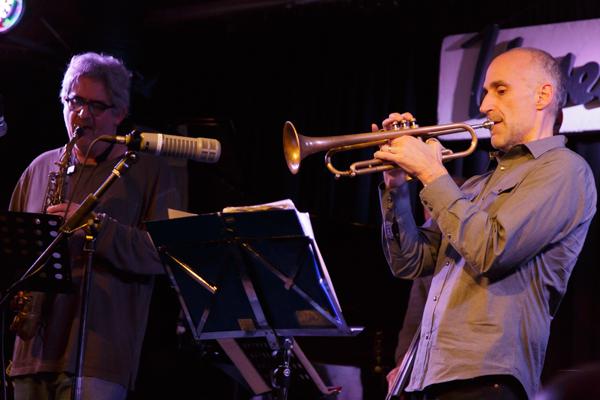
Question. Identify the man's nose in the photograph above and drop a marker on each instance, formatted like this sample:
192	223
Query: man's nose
84	111
485	105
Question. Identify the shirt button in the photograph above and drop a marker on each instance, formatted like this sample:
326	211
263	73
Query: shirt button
446	263
435	298
426	337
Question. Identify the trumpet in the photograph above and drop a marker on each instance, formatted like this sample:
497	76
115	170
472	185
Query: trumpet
296	147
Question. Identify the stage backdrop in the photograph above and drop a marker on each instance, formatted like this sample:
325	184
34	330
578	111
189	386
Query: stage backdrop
464	59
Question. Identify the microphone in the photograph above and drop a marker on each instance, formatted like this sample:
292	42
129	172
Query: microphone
3	126
197	149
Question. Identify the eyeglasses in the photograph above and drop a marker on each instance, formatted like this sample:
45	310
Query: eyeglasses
96	108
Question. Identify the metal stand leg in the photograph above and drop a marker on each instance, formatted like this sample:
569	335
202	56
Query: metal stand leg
282	374
89	248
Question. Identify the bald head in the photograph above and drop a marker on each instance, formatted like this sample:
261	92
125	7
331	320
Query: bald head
542	69
524	91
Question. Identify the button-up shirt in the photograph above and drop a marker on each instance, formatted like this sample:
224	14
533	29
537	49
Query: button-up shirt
501	250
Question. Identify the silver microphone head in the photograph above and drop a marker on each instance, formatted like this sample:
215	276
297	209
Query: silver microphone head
199	149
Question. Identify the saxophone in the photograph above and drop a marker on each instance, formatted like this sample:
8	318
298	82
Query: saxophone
29	305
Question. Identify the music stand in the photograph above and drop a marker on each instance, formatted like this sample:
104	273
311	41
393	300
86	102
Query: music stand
249	275
23	237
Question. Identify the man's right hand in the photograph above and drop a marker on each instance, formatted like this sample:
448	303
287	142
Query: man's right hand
395	177
391	376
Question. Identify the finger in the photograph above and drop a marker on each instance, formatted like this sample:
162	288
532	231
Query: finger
385	146
375	129
56	208
396	117
405	140
435	144
438	149
391	149
438	144
385	155
389	122
391	376
56	213
401	117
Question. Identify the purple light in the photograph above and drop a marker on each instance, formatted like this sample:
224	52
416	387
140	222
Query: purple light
10	13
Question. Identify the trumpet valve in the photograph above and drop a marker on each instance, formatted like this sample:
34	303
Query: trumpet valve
397	125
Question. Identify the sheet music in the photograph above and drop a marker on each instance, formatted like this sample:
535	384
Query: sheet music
286	204
304	219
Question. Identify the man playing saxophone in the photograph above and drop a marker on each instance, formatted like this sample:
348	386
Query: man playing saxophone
95	98
499	249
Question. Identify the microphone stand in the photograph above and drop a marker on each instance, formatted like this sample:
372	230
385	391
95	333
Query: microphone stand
89	247
72	224
281	376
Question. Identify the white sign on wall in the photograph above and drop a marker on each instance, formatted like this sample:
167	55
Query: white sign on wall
465	57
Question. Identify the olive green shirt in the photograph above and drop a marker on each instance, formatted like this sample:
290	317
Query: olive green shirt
501	250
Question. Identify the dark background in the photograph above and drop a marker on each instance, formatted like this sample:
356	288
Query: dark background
236	70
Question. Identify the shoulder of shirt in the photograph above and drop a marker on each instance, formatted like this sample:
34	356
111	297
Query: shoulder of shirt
542	146
553	149
567	164
46	157
564	156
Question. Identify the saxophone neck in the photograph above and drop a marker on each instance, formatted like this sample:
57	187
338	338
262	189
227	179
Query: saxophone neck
66	156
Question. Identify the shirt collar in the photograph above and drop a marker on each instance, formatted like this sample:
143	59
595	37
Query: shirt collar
539	147
536	148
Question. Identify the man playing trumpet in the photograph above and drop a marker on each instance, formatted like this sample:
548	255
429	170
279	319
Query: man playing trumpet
500	249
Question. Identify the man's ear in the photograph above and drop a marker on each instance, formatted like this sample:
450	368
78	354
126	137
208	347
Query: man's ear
544	96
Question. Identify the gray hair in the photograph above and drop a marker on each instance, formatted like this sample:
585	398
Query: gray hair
104	68
551	67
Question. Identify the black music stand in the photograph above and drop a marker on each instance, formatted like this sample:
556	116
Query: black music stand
23	237
252	277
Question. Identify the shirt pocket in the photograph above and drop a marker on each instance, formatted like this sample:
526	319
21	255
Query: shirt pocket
498	194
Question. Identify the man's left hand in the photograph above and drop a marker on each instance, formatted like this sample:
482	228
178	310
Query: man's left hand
59	210
418	159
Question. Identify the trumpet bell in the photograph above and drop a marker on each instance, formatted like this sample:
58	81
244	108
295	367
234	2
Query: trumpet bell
292	148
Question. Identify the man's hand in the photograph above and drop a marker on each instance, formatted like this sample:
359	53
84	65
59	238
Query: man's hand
391	376
418	159
394	177
59	210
